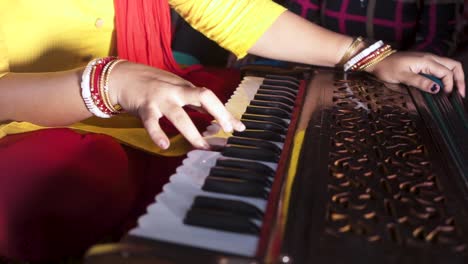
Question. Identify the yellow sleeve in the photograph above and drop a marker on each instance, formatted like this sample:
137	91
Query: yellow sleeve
4	64
234	24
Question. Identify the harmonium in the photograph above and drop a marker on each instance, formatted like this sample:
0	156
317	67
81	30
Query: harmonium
333	168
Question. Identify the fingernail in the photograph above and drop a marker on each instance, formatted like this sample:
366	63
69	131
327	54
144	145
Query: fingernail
203	144
163	144
240	127
434	88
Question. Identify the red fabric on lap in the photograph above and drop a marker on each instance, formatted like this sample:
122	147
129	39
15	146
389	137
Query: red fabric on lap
60	191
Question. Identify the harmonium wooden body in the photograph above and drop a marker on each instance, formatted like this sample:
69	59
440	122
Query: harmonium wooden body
333	168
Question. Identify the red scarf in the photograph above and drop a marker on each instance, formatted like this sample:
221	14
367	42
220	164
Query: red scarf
144	33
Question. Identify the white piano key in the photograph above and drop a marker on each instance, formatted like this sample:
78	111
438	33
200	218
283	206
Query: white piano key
196	179
212	129
216	142
177	205
241	98
163	225
249	86
206	158
238	102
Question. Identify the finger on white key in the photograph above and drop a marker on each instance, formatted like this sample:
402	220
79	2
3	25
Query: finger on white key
213	105
181	120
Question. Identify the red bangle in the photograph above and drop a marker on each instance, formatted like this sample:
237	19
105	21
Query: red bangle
370	57
95	84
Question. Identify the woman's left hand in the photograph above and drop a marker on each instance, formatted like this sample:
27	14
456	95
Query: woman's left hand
406	67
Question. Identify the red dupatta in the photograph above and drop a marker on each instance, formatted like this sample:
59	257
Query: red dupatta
144	33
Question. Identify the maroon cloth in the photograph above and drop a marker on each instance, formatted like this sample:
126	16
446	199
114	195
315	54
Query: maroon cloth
55	186
61	192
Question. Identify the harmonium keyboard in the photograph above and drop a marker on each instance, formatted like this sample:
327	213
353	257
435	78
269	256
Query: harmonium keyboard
332	168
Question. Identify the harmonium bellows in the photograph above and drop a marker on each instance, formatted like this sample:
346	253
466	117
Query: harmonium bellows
333	168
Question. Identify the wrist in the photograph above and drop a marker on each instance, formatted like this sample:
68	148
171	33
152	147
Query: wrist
368	57
352	49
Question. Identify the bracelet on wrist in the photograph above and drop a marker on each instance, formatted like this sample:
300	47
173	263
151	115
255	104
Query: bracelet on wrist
95	88
368	57
362	54
350	51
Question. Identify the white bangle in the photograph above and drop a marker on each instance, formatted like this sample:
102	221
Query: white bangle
86	91
362	54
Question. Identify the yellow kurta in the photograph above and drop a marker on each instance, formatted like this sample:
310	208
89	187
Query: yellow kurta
55	35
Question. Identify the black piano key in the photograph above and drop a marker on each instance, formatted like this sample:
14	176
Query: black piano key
228	205
261	110
285	83
271	104
263	125
268	118
274	98
283	77
251	165
260	134
277	92
242	174
279	88
220	221
251	153
254	143
235	187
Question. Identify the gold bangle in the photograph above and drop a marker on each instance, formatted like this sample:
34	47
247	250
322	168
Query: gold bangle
371	57
373	60
114	108
349	51
377	60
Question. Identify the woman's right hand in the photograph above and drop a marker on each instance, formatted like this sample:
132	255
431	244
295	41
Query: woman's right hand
152	93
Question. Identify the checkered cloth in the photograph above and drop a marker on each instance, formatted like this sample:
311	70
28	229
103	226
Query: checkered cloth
464	28
425	25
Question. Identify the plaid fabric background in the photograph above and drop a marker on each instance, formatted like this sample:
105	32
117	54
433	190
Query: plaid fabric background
464	27
428	25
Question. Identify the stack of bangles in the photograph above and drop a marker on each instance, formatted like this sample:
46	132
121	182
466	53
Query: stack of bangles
95	87
365	58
